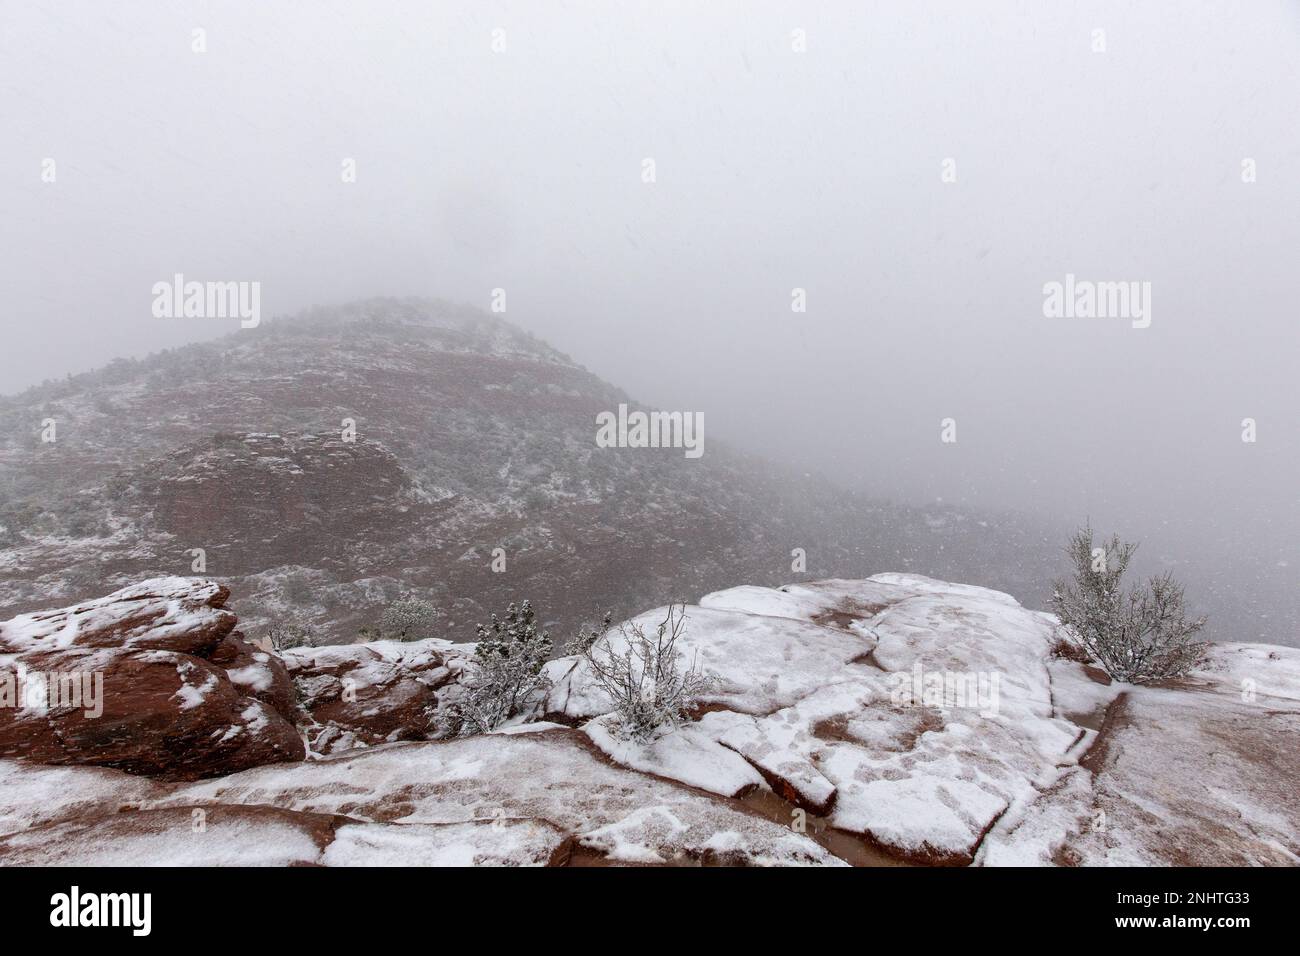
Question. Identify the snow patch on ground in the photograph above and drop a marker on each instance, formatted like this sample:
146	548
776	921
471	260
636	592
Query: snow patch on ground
685	753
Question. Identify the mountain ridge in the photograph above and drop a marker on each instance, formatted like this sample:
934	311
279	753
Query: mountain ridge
471	435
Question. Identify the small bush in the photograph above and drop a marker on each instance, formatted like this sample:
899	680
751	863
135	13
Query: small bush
588	634
409	619
644	678
289	634
505	678
1138	635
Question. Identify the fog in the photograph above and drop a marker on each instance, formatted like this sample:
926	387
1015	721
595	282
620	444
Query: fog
775	169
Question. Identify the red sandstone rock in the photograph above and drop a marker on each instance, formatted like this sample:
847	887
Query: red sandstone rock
152	679
374	693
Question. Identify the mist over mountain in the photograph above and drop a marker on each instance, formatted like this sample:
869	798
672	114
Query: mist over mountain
470	435
920	177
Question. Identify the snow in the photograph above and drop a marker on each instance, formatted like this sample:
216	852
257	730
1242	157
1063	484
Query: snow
811	677
254	716
630	840
1075	694
190	695
497	843
761	663
777	748
152	613
555	776
376	662
1032	833
814	701
221	837
684	754
533	728
412	654
254	677
1265	670
768	602
1182	776
32	795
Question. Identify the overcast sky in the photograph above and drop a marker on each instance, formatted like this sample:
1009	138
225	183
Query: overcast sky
775	169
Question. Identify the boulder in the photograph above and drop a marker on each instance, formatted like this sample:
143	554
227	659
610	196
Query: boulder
152	679
379	692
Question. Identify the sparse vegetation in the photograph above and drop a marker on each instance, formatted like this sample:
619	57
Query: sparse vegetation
643	677
408	619
505	678
1140	634
285	635
588	634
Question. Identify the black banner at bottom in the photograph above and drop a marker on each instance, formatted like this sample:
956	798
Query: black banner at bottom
342	906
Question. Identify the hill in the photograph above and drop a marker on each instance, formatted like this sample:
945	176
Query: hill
470	436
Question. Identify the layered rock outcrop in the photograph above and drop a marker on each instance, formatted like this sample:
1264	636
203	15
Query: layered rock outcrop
152	679
367	694
894	719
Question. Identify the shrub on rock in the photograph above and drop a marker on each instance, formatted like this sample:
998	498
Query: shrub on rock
643	676
1139	634
409	619
505	676
286	635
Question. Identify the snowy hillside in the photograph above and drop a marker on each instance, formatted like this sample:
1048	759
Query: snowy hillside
470	436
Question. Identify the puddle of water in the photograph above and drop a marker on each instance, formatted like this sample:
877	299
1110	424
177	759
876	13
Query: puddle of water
1092	719
848	847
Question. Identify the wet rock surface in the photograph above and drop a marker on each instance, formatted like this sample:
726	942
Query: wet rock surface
849	722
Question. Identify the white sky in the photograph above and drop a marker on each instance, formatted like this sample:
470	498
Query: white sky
775	169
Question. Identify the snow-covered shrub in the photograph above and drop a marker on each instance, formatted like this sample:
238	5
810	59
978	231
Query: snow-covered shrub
588	634
643	676
285	635
505	677
1138	635
408	619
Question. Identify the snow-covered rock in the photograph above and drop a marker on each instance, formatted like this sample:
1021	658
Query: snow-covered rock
1197	774
513	799
153	679
218	836
927	717
380	692
897	718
